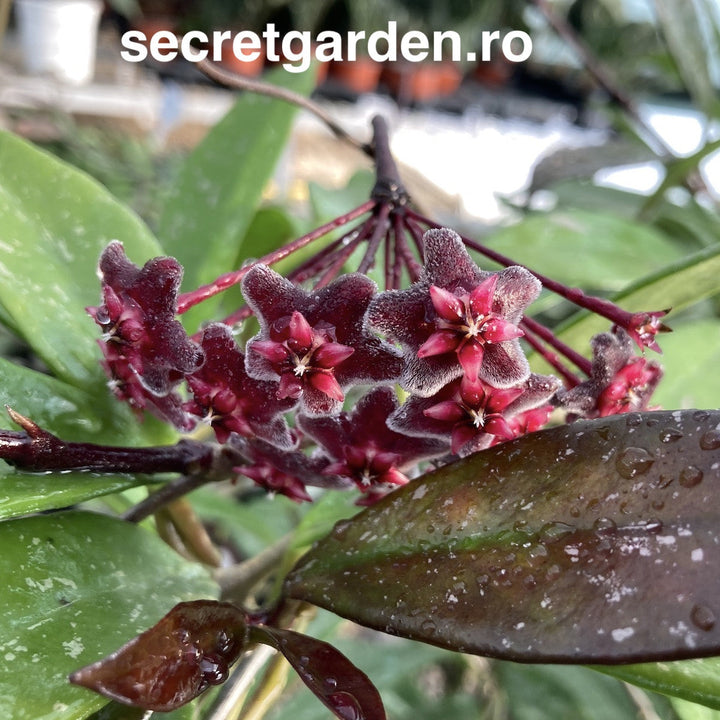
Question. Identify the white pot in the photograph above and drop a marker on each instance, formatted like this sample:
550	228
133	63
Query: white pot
59	37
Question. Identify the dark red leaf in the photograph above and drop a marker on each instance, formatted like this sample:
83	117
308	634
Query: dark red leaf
596	542
188	650
346	690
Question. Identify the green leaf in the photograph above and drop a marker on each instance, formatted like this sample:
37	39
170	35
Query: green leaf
270	228
593	250
690	384
683	26
73	413
547	692
75	587
55	222
26	493
691	711
697	681
220	186
592	542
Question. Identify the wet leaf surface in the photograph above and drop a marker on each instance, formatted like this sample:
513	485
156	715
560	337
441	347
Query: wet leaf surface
76	586
595	542
56	221
187	651
340	685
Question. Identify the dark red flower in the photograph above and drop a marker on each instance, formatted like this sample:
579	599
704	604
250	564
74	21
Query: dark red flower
315	343
619	382
472	414
644	326
229	400
287	472
267	476
457	318
303	356
364	448
146	350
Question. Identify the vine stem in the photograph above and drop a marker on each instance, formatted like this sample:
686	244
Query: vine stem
239	82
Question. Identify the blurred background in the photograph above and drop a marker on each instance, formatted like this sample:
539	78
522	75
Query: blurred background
480	142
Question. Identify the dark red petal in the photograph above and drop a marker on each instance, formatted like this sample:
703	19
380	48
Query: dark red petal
499	330
462	434
326	383
446	411
481	298
290	386
392	476
500	399
273	351
470	356
447	306
330	354
300	331
497	425
439	343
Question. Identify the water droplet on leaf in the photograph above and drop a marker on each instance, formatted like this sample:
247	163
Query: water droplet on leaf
710	440
605	526
690	476
703	617
554	531
346	706
633	461
669	435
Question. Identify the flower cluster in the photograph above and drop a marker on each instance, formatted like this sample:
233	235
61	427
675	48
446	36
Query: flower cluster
346	386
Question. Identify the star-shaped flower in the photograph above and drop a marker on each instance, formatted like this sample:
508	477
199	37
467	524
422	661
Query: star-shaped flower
364	448
472	414
231	401
457	319
619	382
146	350
316	343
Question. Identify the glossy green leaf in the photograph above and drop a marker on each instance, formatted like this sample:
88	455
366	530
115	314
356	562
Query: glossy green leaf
587	249
75	587
220	186
593	542
26	493
55	222
697	681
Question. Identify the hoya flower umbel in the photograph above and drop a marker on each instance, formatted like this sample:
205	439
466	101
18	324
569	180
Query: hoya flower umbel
146	350
315	344
457	319
229	400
